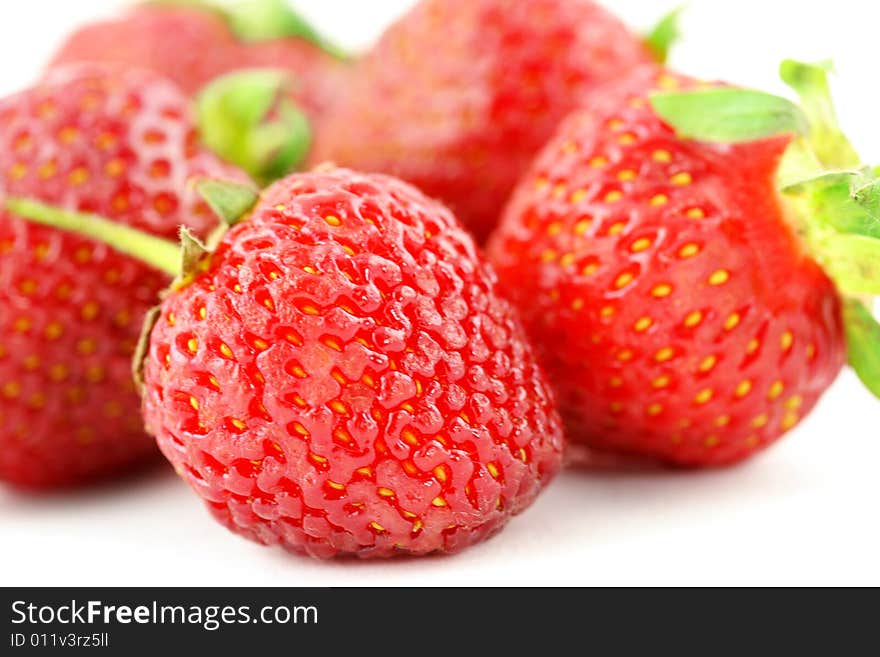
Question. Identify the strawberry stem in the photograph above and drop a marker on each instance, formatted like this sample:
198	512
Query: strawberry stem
159	253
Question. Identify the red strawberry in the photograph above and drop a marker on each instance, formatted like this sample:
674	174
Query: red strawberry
340	376
70	309
188	45
459	95
675	294
194	44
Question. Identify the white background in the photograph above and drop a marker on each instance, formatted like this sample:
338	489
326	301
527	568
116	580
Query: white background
805	512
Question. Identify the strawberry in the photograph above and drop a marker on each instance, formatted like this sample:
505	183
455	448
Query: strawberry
97	140
459	95
197	43
341	377
685	309
188	45
192	43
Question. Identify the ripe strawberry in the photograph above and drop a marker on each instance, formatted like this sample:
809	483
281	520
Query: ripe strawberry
340	376
188	45
70	309
193	44
674	293
459	95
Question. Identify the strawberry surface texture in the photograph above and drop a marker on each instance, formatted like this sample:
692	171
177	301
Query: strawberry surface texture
459	95
97	140
672	303
341	377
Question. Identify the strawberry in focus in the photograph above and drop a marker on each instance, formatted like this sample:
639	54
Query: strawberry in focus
344	379
89	139
459	95
339	375
675	295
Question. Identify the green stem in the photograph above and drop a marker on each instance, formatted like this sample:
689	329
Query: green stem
159	253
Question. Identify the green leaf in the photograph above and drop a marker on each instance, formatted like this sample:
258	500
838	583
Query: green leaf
265	20
865	190
810	81
230	201
852	261
832	199
729	115
248	119
664	35
799	163
845	201
863	344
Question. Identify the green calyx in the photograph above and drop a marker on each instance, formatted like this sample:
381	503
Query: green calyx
730	115
827	141
260	20
247	118
664	35
832	197
727	114
846	202
862	338
229	201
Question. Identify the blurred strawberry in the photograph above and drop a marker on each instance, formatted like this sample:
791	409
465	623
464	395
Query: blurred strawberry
685	308
99	140
187	44
195	43
458	96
